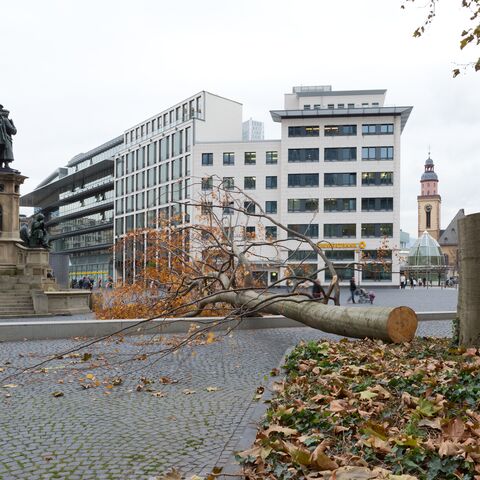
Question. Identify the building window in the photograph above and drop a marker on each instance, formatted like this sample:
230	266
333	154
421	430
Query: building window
377	204
207	183
344	271
340	230
152	198
341	105
377	178
250	158
249	183
152	177
176	168
377	153
163	195
303	180
271	182
228	183
429	218
140	201
302	256
129	203
228	158
377	128
270	232
164	177
249	207
377	272
249	232
306	107
340	255
207	158
340	130
340	204
120	167
340	179
271	206
119	206
351	105
151	154
271	158
131	161
302	205
206	208
348	154
331	106
377	230
303	155
304	131
308	229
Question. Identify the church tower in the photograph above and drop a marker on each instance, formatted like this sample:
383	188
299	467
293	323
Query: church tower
429	202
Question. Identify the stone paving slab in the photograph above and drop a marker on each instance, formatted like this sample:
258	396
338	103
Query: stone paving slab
120	433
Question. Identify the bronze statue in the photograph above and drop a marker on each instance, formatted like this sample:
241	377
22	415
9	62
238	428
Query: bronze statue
38	237
7	129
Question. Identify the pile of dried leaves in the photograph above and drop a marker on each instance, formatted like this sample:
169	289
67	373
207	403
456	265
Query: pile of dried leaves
369	410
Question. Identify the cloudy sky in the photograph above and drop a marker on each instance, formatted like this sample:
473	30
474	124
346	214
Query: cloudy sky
76	73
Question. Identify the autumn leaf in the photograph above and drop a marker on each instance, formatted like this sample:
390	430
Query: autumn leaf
171	475
10	385
188	392
322	461
367	395
288	432
299	454
57	394
212	389
454	430
90	376
210	338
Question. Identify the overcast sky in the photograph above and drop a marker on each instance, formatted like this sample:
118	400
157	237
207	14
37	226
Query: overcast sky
75	74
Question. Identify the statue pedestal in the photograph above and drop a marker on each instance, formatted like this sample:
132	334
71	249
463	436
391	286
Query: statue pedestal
25	283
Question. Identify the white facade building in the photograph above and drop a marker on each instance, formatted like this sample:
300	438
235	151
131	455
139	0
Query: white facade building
335	173
252	131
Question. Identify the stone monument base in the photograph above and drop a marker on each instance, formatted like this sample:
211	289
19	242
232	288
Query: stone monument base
28	288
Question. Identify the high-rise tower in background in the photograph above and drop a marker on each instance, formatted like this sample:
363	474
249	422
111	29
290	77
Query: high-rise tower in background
252	131
429	202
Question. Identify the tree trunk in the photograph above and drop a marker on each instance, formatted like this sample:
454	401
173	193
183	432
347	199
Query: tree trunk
468	309
391	324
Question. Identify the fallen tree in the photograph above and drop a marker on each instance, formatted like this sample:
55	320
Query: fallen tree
214	265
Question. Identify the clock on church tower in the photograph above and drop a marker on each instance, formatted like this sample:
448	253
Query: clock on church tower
429	202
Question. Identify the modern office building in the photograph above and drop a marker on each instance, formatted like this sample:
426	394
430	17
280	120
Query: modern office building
334	173
77	202
252	131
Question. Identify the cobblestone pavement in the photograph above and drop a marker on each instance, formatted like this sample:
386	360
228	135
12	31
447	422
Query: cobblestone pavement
121	433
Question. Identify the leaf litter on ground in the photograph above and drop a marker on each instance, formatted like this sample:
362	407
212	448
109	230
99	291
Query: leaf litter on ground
370	410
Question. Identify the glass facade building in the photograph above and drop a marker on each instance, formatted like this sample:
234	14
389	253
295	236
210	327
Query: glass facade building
77	202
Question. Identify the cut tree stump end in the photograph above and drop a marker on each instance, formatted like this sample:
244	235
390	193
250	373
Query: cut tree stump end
402	324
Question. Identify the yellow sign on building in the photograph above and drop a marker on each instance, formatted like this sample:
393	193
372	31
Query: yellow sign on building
360	245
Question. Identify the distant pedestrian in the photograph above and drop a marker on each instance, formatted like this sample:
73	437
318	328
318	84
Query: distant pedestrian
412	285
403	281
80	283
99	283
353	287
371	296
424	281
317	291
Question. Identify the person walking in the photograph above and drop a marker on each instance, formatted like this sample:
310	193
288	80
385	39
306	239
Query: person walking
317	292
403	281
353	287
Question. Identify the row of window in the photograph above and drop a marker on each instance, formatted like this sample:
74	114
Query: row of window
342	154
340	106
305	180
338	255
340	130
374	230
249	158
161	150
